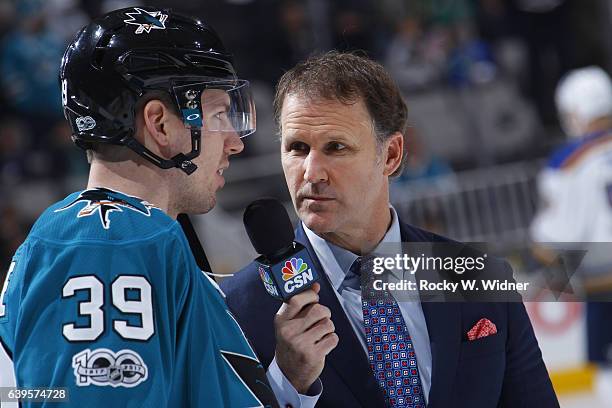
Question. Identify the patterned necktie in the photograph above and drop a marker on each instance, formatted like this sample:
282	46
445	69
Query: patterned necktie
390	350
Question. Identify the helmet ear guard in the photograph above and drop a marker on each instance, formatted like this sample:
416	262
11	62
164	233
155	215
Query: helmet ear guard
117	58
181	160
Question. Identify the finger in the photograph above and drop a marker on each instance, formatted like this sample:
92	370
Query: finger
287	331
327	343
313	313
319	330
295	304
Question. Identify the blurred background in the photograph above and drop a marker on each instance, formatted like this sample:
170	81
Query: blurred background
478	77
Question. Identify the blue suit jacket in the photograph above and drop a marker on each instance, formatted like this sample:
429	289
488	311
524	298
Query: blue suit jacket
502	370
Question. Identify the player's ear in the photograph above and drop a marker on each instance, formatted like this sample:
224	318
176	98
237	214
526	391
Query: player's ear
156	117
393	153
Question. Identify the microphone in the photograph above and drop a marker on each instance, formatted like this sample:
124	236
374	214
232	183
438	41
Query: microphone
284	266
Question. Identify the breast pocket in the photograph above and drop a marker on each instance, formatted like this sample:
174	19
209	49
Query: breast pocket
495	343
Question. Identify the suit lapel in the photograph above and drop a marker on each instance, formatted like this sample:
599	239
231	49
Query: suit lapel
347	359
443	321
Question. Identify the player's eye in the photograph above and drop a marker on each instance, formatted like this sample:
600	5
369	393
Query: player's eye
221	115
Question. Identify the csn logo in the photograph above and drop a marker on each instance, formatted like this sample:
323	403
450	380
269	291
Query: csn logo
296	274
267	281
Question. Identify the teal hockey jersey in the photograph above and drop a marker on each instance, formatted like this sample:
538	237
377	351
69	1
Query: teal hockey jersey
105	299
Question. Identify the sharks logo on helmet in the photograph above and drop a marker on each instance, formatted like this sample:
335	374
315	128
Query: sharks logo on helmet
146	20
104	201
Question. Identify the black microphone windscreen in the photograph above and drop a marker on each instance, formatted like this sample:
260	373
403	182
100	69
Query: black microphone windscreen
268	226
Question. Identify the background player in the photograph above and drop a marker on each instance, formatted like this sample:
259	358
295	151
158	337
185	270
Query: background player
104	296
576	191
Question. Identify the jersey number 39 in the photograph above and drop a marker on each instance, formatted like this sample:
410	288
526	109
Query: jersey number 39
93	308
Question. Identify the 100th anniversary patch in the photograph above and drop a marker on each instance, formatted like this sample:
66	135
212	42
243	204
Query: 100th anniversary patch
103	367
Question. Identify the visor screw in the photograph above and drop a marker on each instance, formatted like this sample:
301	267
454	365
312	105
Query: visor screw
192	105
190	94
186	164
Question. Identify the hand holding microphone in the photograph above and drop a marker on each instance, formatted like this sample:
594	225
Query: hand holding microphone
304	336
304	330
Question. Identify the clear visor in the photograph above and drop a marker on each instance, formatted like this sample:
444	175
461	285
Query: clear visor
217	106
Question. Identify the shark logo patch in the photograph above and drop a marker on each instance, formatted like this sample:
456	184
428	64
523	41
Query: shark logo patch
146	20
103	201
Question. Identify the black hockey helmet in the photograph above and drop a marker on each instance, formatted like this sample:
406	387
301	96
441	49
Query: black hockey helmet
120	56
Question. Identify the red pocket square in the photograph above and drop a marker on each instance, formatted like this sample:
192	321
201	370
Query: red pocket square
483	328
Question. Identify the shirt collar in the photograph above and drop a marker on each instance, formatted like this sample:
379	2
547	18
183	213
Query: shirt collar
344	257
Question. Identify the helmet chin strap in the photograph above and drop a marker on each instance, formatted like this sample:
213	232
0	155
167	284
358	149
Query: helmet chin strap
180	161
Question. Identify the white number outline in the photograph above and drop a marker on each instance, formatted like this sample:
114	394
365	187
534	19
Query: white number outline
64	92
4	288
143	307
93	308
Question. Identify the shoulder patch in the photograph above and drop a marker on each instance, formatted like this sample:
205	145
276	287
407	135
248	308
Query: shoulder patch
103	201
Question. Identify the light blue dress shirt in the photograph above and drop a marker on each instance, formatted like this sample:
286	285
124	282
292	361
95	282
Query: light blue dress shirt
285	392
336	262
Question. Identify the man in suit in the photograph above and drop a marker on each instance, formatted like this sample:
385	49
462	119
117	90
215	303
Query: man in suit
342	121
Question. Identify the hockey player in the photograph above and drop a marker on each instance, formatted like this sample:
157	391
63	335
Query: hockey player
104	298
576	192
